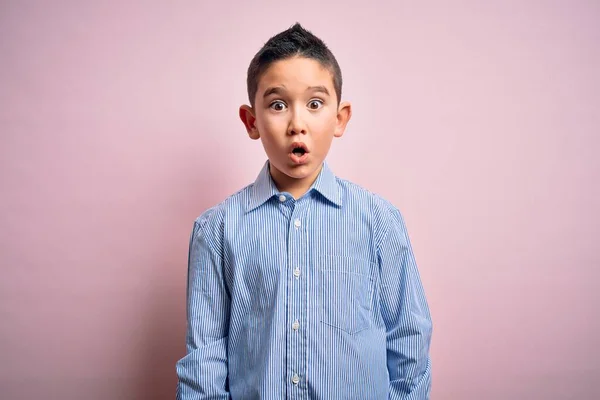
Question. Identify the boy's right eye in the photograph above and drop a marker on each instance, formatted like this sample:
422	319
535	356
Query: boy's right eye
277	105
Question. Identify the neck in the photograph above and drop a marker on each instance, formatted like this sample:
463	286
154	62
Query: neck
295	187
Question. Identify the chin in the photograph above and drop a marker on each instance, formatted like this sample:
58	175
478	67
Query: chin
297	171
294	173
304	172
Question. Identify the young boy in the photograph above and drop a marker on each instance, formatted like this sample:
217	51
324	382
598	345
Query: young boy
302	285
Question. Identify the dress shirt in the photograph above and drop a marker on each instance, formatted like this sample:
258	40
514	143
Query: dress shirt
310	298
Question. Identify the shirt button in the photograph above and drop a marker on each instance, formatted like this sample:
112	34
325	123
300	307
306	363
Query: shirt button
282	198
295	379
297	223
297	272
296	325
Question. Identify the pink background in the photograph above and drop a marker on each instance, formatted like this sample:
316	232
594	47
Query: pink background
118	123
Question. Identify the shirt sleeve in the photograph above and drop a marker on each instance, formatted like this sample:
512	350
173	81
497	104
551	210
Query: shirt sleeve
406	315
202	373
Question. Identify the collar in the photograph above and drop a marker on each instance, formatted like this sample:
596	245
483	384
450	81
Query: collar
264	188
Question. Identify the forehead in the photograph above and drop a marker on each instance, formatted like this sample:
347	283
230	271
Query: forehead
296	73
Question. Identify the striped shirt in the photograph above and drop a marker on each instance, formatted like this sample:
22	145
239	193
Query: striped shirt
314	298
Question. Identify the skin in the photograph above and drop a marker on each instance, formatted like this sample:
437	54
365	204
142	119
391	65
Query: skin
295	102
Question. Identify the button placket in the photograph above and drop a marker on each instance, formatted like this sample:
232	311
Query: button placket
297	256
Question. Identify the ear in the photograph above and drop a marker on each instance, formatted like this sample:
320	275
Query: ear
343	116
249	119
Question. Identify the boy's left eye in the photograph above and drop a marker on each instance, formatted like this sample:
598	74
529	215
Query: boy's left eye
315	104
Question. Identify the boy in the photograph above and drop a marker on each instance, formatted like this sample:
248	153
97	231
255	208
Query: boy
302	285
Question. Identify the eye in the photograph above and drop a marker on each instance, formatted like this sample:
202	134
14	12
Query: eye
315	104
277	105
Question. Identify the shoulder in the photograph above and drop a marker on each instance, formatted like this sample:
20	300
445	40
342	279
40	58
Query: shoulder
382	213
355	194
210	223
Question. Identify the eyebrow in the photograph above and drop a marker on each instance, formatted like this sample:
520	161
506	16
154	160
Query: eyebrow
274	90
280	90
321	89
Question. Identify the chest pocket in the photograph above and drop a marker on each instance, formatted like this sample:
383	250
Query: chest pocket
346	291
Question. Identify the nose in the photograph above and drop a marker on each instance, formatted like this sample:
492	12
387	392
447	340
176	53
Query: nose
297	124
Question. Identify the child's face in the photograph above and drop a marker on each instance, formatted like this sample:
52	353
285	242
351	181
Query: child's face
296	116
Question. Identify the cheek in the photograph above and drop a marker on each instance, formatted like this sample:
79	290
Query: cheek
270	124
323	126
269	129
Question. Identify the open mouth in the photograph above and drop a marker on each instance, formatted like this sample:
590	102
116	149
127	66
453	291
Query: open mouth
298	152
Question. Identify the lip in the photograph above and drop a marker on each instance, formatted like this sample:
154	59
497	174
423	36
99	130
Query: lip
298	159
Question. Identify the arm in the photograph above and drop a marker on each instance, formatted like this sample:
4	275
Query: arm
406	315
202	373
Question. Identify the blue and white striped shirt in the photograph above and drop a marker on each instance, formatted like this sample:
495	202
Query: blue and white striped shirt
315	298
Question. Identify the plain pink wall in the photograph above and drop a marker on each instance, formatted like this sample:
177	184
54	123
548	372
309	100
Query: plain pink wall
118	124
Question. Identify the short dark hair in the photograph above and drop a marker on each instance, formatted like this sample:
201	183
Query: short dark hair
295	41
